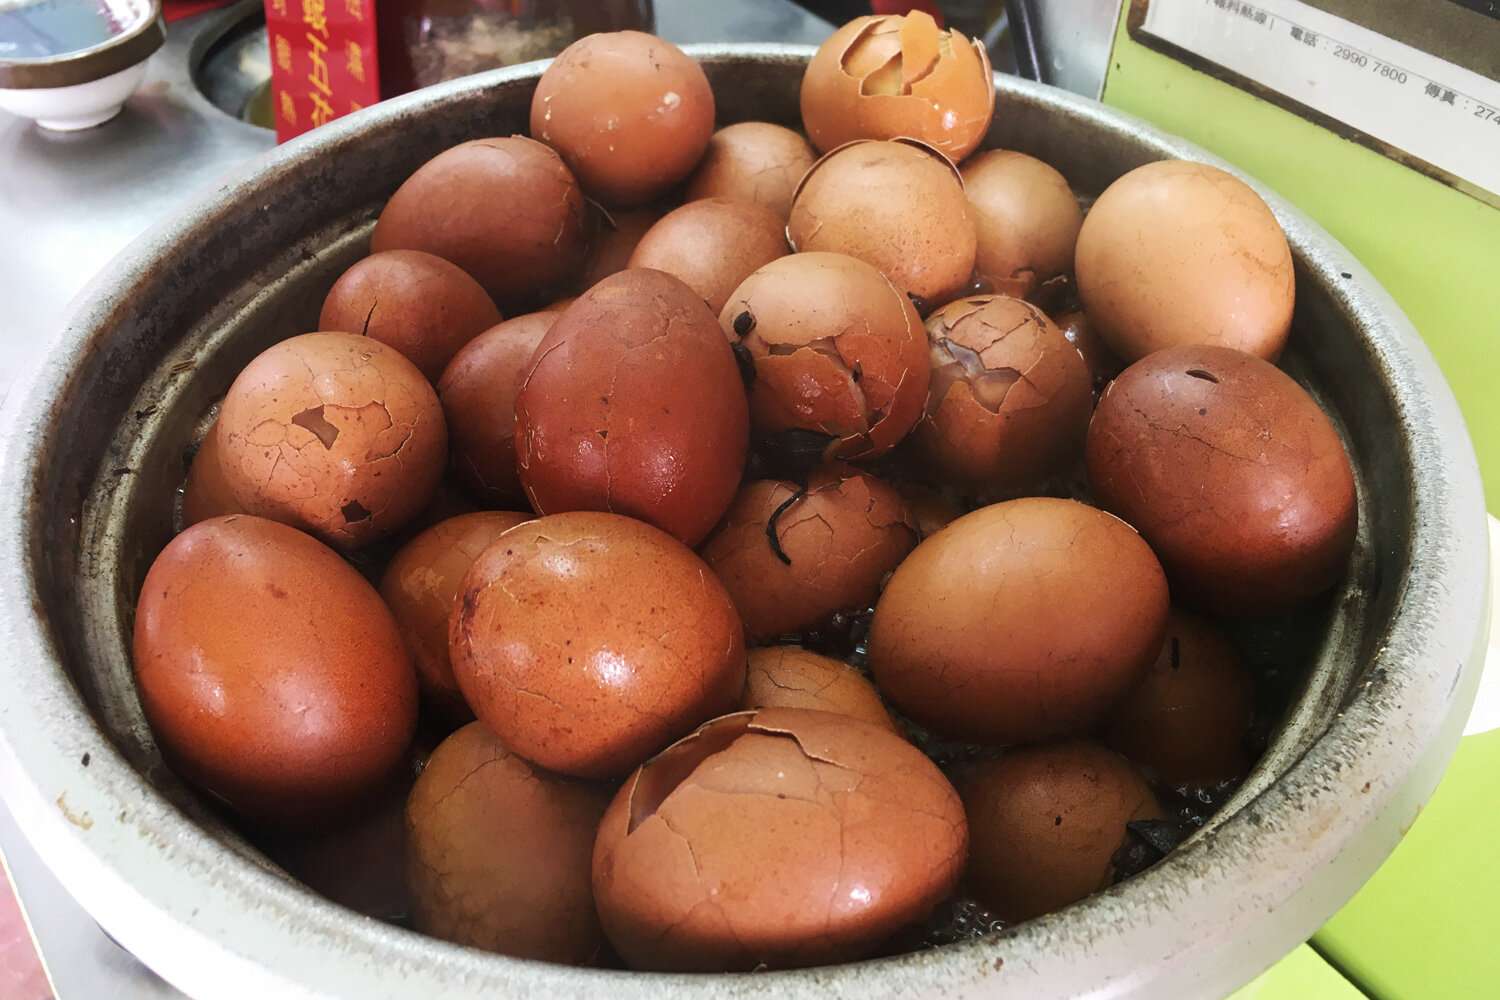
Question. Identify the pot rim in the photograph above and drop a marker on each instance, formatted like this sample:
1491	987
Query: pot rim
217	922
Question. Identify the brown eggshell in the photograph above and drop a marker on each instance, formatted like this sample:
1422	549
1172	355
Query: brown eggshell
500	852
1102	362
421	586
629	112
779	838
712	245
1026	217
335	433
842	537
421	305
207	493
754	162
1177	253
1021	621
1188	718
1232	472
888	76
634	404
270	671
1045	823
506	210
587	642
838	349
615	240
793	677
898	206
478	392
1010	397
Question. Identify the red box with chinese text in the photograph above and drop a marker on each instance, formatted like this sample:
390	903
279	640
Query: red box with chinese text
323	61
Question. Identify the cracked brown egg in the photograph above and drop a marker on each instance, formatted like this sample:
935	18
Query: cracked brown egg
775	839
1010	396
890	76
271	673
1026	217
791	558
898	206
712	245
335	433
499	852
793	677
587	642
1189	718
838	350
614	241
630	113
206	493
1045	823
1178	253
633	404
1022	621
754	162
421	305
1232	472
478	391
421	585
506	210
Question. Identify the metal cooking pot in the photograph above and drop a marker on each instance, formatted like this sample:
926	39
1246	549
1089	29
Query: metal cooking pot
94	452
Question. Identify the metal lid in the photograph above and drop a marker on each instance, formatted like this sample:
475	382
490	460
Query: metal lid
62	43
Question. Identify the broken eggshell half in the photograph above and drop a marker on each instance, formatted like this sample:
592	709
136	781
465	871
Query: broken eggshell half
777	838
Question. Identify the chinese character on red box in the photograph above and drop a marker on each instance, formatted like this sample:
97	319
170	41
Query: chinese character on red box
322	61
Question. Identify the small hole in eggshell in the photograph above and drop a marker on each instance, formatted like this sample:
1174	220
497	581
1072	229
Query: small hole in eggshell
314	421
1205	376
354	511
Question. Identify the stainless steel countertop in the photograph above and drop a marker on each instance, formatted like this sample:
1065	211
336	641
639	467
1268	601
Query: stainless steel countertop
68	203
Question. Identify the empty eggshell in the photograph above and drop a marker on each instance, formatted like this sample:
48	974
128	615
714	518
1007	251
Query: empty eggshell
1010	397
890	76
629	112
790	561
478	392
270	671
1188	719
712	245
335	433
634	404
1232	472
1026	218
500	852
1178	253
587	642
615	239
1045	823
421	585
421	305
793	677
897	205
754	162
207	493
1021	621
778	838
506	210
838	350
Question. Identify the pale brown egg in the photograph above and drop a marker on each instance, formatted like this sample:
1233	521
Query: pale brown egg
335	433
712	245
896	205
890	76
1026	217
1010	397
629	112
778	838
272	675
421	586
838	350
793	677
1176	253
1021	621
499	853
754	162
588	641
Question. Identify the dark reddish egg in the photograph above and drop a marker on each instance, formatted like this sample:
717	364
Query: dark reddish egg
615	239
207	493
